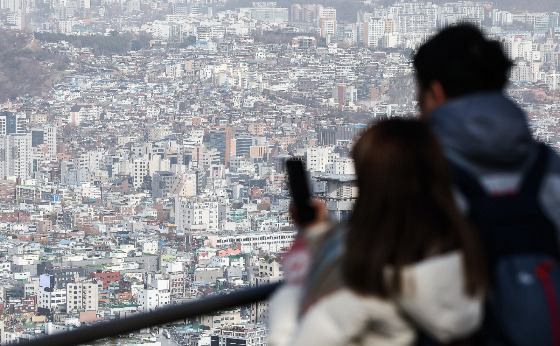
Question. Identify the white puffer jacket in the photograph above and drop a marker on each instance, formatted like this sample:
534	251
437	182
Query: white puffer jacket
433	300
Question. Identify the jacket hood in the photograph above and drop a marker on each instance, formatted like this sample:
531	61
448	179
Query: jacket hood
487	129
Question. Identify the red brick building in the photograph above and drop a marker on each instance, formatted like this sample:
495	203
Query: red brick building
108	279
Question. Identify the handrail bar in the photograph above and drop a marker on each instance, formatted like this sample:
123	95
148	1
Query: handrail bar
157	317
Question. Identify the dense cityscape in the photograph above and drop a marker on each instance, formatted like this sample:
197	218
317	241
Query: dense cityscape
143	165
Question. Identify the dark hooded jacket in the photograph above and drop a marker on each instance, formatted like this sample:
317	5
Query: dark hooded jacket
488	135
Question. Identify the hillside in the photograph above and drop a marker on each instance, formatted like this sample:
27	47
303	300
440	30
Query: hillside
25	68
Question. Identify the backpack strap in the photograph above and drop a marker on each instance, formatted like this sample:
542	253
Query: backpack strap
543	273
465	181
530	185
533	178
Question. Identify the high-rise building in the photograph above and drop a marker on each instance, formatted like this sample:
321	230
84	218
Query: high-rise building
327	27
50	138
345	95
15	155
140	172
266	273
162	183
414	17
220	139
191	213
186	184
12	123
37	137
326	135
266	14
375	31
152	298
45	135
318	158
243	146
327	12
82	296
305	13
50	300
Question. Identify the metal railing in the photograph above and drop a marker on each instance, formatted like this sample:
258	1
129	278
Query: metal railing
158	317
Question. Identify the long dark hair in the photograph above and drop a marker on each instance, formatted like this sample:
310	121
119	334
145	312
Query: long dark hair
405	211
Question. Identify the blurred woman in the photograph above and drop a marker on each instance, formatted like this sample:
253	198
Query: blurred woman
405	264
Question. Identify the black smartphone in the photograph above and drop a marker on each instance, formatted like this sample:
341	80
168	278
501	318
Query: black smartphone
299	188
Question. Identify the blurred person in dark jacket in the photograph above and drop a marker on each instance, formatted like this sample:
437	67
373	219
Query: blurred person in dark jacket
461	77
